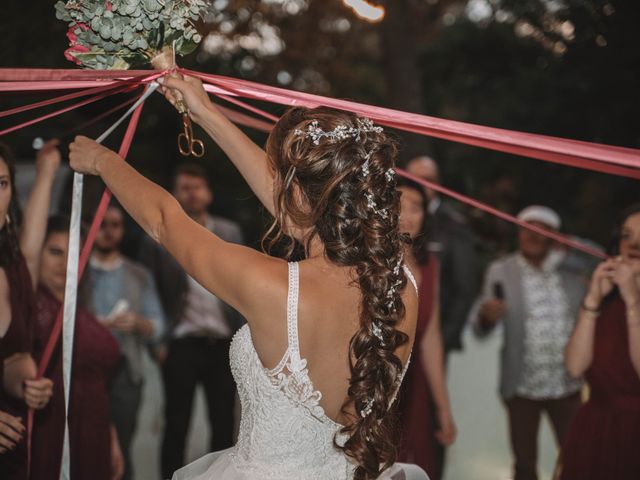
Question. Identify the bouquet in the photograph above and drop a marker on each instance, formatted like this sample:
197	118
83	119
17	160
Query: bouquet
124	34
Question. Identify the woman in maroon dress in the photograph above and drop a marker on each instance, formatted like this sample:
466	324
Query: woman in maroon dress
19	251
604	440
425	411
94	449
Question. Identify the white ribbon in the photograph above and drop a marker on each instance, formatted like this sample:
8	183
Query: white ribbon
71	286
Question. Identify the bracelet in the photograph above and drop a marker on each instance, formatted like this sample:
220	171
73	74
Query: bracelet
633	310
591	310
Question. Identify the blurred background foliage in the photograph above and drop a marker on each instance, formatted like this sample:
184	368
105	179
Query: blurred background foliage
565	68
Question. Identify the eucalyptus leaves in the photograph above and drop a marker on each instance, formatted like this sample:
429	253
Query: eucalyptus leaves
121	34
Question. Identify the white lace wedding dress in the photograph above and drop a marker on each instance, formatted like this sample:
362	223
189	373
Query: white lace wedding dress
284	432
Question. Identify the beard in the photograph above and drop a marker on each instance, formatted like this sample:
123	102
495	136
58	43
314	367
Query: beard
106	249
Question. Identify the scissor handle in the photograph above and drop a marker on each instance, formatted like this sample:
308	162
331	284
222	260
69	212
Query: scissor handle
197	148
184	144
187	144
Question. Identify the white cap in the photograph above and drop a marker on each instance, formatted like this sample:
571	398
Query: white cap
538	213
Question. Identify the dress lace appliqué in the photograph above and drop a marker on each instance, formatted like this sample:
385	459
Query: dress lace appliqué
291	376
284	431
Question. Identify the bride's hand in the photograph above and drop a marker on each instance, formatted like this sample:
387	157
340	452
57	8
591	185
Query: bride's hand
193	93
85	154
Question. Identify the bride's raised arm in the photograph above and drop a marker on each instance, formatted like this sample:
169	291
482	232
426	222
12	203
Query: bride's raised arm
232	272
249	158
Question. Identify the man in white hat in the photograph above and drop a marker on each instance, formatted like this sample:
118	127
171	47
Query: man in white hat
536	296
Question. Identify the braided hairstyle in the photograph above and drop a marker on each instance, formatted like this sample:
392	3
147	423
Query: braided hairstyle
9	242
320	187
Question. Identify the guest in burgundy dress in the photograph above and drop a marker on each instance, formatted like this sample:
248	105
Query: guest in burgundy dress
15	346
18	258
94	450
425	411
604	440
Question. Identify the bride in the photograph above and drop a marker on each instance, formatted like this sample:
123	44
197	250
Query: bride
328	338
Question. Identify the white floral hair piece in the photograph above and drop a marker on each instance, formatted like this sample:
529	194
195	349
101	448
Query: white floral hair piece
392	290
368	408
364	168
390	175
341	132
377	331
396	269
373	206
376	327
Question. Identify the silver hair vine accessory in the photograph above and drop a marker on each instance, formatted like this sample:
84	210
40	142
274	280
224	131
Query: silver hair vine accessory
396	284
377	331
368	408
364	168
373	206
341	132
390	175
371	203
376	327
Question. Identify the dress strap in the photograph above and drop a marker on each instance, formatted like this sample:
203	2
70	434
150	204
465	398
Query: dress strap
292	310
411	278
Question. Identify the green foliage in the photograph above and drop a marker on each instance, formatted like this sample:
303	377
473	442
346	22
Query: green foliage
121	34
489	75
483	72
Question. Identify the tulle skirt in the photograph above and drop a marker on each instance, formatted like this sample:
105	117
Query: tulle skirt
219	466
216	465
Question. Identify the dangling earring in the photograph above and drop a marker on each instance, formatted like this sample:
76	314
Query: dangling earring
7	219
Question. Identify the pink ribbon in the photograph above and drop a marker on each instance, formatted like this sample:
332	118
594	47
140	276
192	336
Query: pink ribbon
57	74
62	98
246	120
265	127
591	156
568	152
504	216
10	80
95	98
602	158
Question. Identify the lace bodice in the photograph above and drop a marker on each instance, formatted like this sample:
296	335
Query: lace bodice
284	431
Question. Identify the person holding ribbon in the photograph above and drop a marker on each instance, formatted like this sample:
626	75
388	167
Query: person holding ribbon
93	442
328	338
19	251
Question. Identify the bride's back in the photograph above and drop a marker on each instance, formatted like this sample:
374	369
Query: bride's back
328	316
334	190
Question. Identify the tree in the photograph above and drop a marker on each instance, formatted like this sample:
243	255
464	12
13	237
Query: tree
562	67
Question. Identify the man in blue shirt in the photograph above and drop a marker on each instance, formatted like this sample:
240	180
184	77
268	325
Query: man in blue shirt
123	296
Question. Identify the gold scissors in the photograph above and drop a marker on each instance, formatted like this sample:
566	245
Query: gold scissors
187	144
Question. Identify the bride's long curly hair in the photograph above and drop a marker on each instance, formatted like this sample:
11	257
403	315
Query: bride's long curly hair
322	190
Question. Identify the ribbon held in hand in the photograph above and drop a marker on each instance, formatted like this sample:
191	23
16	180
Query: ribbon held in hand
188	145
